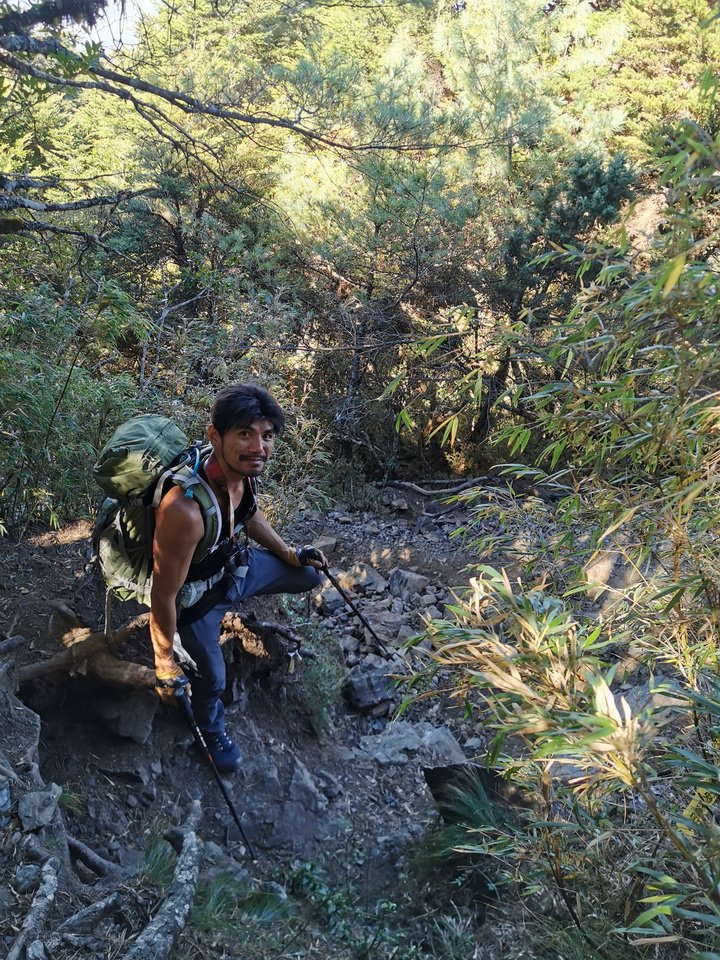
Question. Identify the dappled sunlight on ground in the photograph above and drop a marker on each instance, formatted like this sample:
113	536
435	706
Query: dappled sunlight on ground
80	530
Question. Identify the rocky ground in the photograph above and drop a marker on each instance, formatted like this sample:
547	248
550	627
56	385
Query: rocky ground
332	794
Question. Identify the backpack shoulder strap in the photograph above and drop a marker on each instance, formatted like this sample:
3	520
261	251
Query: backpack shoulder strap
188	477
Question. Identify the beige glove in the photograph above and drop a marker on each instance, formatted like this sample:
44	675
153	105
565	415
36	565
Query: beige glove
170	686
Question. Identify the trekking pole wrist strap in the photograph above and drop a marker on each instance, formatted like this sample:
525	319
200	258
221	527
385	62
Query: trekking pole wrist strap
171	683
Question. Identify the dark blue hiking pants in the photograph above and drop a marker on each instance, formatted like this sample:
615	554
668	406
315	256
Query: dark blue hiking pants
266	573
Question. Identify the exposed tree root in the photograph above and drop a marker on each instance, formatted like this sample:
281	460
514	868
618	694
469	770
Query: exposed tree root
157	939
83	921
99	865
90	652
37	915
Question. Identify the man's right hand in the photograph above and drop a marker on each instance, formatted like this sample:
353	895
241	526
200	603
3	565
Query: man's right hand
171	684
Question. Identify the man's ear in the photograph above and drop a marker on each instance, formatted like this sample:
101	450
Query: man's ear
213	435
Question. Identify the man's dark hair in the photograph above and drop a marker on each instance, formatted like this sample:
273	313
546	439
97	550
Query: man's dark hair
240	404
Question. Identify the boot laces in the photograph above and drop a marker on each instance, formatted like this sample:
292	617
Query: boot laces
222	740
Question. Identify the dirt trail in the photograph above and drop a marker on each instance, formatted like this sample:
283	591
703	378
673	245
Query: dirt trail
330	788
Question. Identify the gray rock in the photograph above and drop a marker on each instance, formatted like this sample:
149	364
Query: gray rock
131	859
431	745
213	852
366	689
405	583
304	790
653	695
349	643
36	951
326	544
330	601
130	716
36	809
384	623
26	878
405	632
329	784
400	504
362	578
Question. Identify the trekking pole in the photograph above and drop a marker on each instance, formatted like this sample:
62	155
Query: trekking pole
306	554
186	708
361	618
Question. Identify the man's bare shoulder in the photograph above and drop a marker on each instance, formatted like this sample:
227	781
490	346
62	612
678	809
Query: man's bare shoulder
179	517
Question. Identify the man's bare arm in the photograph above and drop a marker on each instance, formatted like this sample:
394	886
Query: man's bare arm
178	530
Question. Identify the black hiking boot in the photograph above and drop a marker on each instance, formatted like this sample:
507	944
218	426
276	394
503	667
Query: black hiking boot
224	752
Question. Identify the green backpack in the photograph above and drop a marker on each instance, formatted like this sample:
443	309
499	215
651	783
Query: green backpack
135	468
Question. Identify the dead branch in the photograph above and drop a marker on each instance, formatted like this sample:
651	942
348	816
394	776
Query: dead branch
38	912
158	938
119	85
99	865
9	201
272	627
445	491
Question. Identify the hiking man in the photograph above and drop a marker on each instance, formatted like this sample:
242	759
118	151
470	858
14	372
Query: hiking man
188	600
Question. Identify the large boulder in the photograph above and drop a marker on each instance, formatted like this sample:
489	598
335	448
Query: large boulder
369	690
128	715
428	744
37	808
362	578
404	583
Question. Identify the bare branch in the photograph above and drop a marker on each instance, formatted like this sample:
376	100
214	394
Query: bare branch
117	84
51	11
9	201
98	864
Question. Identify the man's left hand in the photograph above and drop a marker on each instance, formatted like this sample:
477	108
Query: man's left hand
310	556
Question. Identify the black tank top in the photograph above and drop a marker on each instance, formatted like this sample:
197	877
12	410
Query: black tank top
225	554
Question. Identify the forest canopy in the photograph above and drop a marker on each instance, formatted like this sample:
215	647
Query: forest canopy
334	199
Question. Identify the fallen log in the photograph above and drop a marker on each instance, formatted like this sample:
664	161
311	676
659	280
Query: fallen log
158	938
443	491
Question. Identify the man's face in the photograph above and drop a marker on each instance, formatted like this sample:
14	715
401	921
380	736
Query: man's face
244	451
